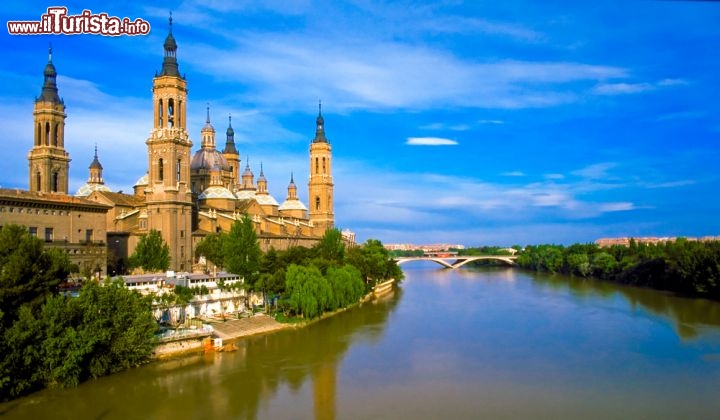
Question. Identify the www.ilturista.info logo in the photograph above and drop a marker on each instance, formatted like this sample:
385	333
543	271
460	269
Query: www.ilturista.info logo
57	21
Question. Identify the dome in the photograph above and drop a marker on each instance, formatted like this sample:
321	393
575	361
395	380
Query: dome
292	205
87	189
216	192
265	200
207	159
142	181
245	194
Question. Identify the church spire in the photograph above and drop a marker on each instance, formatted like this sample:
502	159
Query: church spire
230	141
49	89
320	130
208	132
170	64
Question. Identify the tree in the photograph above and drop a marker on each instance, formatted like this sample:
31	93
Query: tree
309	292
241	251
211	248
151	253
374	262
331	246
106	329
28	273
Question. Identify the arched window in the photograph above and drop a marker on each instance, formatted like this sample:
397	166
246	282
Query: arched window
160	113
171	112
317	203
177	170
317	160
324	170
37	181
55	182
47	134
38	135
160	170
179	114
55	136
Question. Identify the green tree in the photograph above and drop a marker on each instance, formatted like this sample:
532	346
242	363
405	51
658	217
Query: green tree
28	273
331	246
309	292
211	247
241	251
106	329
151	253
374	262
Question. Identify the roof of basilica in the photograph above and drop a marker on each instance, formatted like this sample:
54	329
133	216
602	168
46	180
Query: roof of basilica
216	192
143	180
207	158
266	200
292	205
245	195
88	188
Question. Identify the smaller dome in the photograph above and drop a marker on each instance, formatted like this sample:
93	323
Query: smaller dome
216	192
292	205
144	180
87	189
245	194
207	159
265	200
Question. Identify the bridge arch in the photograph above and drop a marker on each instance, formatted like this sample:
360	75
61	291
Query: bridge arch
458	261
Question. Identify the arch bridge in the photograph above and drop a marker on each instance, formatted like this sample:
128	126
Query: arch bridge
457	261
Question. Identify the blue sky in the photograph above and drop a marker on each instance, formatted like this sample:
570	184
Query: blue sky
482	122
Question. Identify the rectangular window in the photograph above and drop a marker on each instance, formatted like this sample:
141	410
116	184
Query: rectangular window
33	231
48	234
182	233
88	235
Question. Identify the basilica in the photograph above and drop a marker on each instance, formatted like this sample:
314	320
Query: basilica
183	195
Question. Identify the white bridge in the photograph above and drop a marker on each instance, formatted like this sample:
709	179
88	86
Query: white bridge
456	261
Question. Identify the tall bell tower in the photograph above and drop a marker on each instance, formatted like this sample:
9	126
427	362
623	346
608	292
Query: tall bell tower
320	186
49	162
168	194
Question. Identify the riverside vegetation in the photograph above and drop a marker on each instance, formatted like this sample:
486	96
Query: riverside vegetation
690	268
51	339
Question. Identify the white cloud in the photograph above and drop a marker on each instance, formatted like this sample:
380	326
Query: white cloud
430	141
610	89
496	122
621	206
373	74
514	173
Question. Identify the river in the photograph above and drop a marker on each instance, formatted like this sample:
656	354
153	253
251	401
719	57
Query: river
449	344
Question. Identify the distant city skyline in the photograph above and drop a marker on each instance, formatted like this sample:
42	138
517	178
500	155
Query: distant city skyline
483	123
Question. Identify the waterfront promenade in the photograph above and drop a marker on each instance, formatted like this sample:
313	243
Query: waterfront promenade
236	328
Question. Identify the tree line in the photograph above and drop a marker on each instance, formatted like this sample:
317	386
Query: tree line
301	281
685	267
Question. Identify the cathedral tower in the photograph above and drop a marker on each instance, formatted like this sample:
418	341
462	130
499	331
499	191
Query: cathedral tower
168	195
320	186
231	155
49	162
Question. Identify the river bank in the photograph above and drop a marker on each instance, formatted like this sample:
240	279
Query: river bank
230	331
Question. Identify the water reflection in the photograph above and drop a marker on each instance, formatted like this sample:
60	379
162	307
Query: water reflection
689	316
223	385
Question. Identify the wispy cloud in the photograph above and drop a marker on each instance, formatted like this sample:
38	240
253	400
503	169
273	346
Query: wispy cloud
430	141
630	88
514	173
